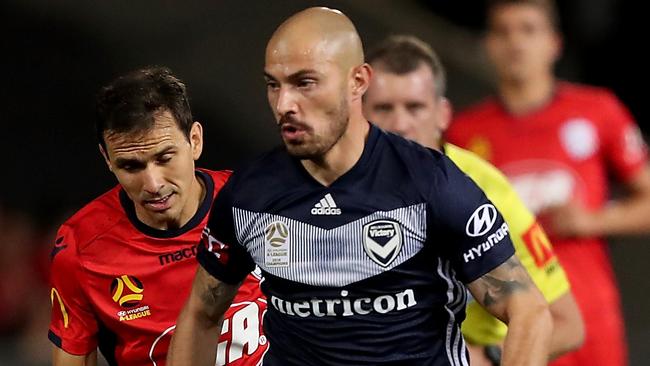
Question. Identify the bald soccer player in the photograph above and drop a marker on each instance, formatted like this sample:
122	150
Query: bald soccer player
407	96
365	254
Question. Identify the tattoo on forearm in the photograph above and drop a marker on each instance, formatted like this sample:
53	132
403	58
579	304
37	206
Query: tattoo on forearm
498	289
216	297
212	295
504	281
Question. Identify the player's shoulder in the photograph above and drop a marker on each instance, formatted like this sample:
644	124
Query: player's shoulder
219	177
262	175
94	219
425	166
269	163
587	94
477	168
433	173
410	151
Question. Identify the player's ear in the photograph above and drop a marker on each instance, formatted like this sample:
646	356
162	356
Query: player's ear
445	111
360	80
558	45
196	140
105	156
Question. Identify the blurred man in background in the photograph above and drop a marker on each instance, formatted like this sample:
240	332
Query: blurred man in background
24	301
122	266
407	96
558	143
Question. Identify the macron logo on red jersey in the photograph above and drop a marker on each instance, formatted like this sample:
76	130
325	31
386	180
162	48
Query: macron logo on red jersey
178	255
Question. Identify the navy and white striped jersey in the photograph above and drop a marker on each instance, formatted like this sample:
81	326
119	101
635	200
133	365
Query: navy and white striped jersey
367	271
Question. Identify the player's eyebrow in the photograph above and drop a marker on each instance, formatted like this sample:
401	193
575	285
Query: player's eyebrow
382	105
268	76
296	75
120	161
165	150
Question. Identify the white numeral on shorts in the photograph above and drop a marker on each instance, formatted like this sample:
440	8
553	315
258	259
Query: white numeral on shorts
245	328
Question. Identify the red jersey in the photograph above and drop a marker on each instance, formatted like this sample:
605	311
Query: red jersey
564	152
119	285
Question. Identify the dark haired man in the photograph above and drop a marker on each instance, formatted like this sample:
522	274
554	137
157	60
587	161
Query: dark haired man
123	265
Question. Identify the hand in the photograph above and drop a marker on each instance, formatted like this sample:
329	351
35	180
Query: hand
477	355
568	220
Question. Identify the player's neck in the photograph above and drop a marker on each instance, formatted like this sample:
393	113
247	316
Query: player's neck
196	197
342	156
525	96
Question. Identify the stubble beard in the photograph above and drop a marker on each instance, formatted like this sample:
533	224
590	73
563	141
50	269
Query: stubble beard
320	144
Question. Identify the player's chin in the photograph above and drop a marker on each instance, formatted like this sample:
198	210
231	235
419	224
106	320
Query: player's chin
169	214
302	151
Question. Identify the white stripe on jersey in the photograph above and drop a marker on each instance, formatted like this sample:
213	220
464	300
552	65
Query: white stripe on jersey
330	257
456	302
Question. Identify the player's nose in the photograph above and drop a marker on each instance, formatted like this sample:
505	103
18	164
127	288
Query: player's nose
152	180
401	121
286	102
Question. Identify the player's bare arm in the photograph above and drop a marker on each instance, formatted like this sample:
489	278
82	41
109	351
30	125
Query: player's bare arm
509	294
63	358
568	327
568	330
630	215
197	328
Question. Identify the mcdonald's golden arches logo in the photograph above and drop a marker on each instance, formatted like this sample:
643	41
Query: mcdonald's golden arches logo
539	245
127	290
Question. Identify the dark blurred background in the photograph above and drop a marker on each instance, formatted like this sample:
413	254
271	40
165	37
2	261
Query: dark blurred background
58	53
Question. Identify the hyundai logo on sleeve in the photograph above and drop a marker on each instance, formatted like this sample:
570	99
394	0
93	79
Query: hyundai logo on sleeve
481	220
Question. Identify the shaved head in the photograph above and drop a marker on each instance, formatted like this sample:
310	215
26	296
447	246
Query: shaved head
316	76
321	33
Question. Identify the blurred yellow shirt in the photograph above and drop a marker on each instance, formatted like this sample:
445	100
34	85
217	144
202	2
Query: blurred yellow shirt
532	246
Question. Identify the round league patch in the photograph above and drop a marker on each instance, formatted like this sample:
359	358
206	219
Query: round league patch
579	138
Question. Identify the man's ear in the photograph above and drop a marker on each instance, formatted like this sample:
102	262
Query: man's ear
105	155
445	111
361	76
558	46
196	140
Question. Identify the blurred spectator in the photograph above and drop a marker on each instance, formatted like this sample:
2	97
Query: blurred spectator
24	306
557	142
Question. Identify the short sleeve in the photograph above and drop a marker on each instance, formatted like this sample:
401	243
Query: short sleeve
532	246
73	325
473	235
220	254
623	144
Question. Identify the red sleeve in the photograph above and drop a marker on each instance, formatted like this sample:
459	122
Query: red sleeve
623	145
73	326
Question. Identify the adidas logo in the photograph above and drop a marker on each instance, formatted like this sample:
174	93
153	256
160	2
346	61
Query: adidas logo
326	206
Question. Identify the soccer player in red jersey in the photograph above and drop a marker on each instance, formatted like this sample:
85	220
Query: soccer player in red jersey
122	266
558	142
